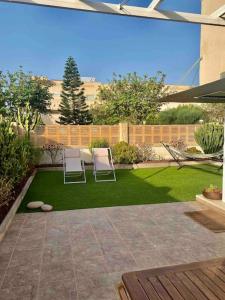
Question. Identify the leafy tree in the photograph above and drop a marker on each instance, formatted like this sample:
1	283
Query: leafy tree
2	99
73	108
18	88
182	114
101	116
129	98
41	97
214	111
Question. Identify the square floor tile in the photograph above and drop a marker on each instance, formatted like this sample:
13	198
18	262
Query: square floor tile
26	257
52	254
22	276
57	271
58	290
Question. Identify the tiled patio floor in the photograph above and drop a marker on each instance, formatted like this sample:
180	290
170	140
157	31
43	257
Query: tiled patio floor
81	254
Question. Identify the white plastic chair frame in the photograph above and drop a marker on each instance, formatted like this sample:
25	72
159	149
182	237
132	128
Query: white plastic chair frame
74	156
109	168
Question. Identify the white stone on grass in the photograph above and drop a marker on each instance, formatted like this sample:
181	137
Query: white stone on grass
46	207
35	204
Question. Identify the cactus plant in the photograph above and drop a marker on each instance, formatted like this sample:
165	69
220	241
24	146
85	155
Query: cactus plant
210	137
27	118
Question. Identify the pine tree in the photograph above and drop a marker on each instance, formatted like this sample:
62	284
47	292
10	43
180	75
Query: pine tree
85	117
73	108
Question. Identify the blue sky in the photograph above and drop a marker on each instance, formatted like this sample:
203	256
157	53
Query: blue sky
40	39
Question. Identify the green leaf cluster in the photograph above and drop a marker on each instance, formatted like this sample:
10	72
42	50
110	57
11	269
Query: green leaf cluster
16	153
182	114
99	143
123	153
19	88
24	97
210	137
130	98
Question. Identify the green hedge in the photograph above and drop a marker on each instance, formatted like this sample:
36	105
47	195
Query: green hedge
183	114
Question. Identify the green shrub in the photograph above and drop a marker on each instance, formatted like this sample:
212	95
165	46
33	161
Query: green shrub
16	153
36	155
6	191
123	153
210	137
99	143
183	114
146	153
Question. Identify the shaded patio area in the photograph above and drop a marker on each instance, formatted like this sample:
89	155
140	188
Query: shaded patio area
81	254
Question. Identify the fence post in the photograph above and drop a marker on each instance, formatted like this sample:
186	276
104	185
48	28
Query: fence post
124	132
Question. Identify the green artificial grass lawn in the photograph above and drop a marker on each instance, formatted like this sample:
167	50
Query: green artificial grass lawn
139	186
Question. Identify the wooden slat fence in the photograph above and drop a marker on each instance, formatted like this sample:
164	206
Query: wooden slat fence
82	135
72	135
154	134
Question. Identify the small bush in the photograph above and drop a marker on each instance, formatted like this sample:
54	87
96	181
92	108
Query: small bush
6	194
178	144
123	153
52	151
210	137
212	188
146	153
193	150
99	143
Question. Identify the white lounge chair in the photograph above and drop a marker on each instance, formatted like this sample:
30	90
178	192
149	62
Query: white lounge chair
73	166
103	163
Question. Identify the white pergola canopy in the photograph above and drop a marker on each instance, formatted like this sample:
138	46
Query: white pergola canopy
150	12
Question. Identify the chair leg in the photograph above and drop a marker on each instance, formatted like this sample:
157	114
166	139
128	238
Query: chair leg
114	175
220	167
122	292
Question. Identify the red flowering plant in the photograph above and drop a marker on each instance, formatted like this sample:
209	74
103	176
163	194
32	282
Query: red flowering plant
53	150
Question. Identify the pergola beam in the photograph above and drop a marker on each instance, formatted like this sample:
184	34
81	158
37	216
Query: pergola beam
154	4
219	12
126	10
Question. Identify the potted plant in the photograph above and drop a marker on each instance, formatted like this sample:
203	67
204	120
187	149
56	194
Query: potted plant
212	192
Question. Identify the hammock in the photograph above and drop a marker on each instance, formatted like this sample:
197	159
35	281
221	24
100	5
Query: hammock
178	154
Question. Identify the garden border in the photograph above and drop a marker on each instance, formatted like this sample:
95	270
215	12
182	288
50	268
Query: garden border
142	165
11	213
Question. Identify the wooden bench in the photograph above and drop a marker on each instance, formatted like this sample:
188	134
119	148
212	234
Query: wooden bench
201	281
